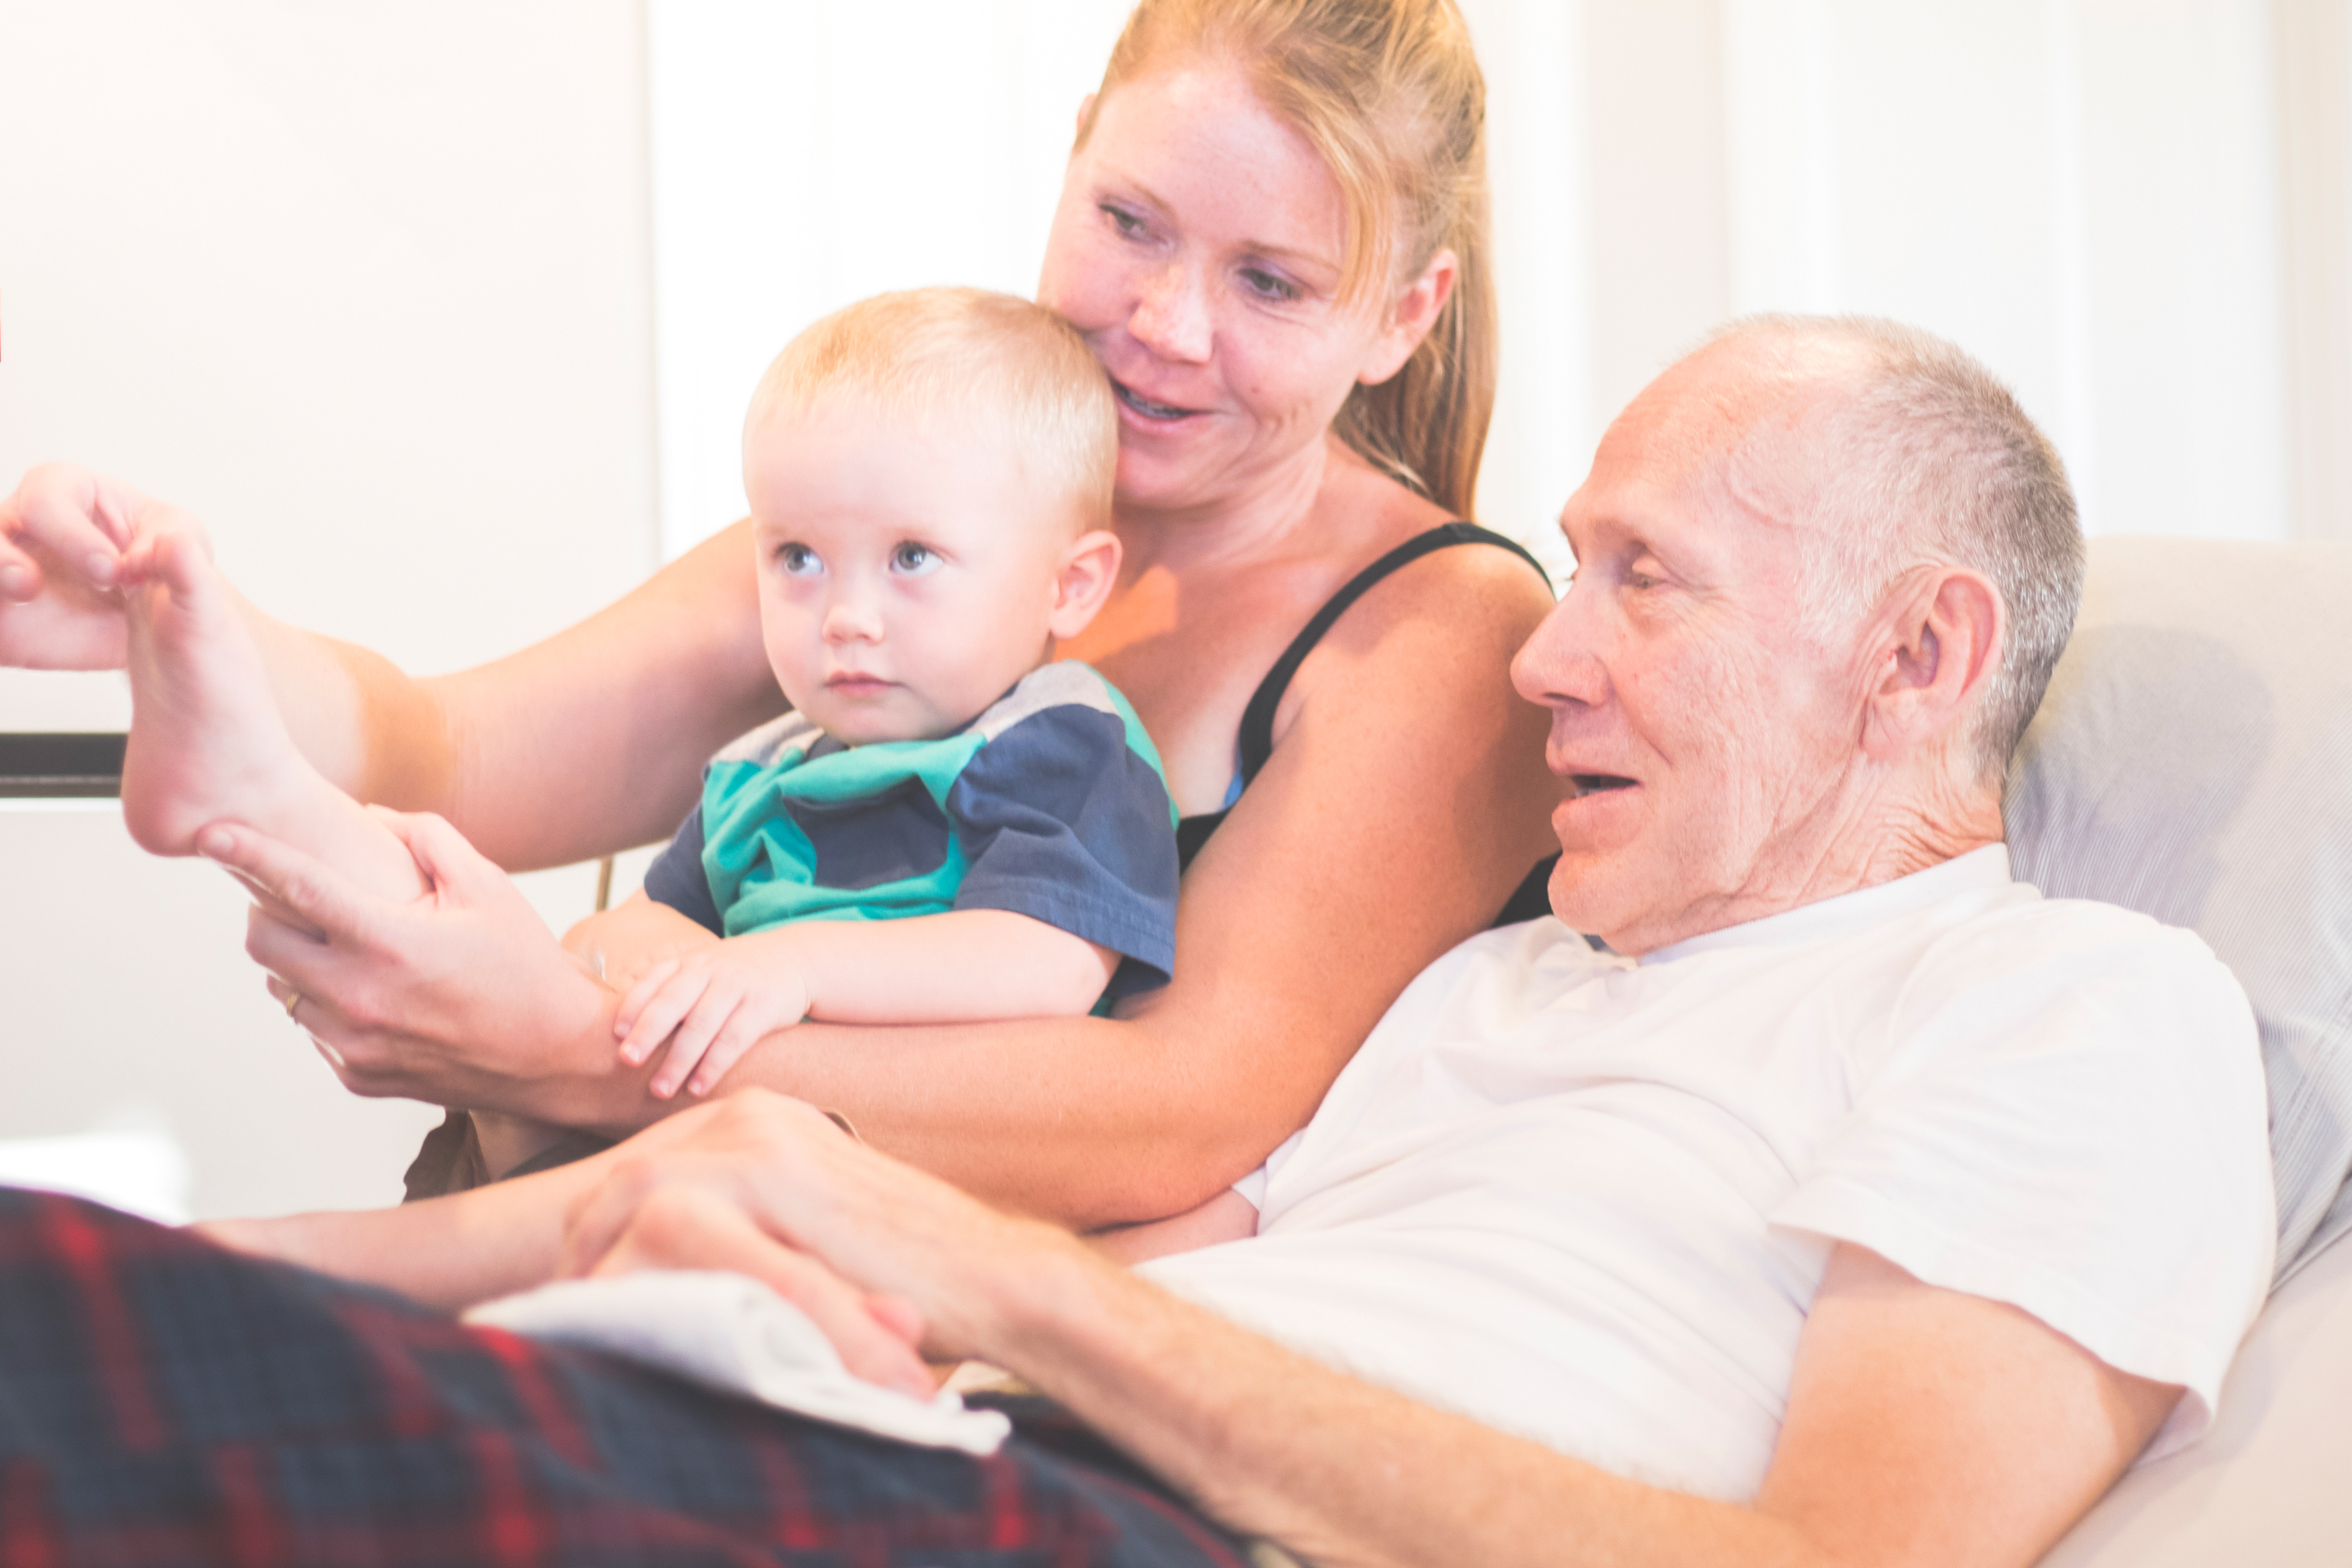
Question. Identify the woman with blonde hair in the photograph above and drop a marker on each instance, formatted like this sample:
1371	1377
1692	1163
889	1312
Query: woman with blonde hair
1273	234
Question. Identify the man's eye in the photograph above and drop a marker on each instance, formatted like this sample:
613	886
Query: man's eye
798	560
911	560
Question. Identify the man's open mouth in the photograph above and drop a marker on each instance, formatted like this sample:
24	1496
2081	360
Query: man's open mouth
1594	784
1144	406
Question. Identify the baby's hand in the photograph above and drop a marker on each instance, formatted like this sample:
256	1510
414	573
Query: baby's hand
622	972
712	1005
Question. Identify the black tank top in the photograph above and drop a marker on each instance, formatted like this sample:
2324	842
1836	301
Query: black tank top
1257	720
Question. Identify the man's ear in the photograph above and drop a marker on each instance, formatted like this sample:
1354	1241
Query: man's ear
1410	315
1939	643
1083	580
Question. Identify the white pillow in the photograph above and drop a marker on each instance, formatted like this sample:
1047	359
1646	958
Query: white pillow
2193	760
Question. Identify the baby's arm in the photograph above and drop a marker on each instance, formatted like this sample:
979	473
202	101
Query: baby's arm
626	941
963	966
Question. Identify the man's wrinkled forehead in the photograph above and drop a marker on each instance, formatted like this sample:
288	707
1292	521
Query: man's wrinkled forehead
1751	421
1740	432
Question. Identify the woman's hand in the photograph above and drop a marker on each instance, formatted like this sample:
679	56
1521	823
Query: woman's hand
460	998
62	536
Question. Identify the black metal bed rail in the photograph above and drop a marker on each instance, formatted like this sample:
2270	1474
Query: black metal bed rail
61	767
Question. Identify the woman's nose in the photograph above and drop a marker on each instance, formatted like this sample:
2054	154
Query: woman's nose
1172	315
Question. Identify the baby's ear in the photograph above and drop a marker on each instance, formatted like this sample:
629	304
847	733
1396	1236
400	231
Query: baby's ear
1083	580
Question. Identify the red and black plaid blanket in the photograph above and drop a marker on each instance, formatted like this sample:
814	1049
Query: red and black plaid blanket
165	1402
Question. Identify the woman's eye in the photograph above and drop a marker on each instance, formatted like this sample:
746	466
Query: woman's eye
912	560
1129	225
798	560
1268	285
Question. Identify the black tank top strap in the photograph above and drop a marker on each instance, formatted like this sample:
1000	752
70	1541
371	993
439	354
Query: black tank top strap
1257	720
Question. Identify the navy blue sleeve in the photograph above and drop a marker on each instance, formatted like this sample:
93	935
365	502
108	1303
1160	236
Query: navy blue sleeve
675	878
1063	822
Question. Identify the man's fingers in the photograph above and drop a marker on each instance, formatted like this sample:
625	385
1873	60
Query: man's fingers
684	1227
899	1315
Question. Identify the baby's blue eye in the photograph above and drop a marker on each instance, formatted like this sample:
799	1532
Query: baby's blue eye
912	560
798	560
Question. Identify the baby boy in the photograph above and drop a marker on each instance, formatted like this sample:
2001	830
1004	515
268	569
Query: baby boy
930	475
949	826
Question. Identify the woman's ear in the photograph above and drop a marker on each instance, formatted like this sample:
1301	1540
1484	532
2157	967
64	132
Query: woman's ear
1083	580
1938	652
1410	315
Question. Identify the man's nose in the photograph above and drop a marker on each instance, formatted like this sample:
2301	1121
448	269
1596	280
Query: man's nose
1172	314
1560	664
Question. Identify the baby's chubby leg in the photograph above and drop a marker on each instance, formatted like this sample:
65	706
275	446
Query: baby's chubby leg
207	744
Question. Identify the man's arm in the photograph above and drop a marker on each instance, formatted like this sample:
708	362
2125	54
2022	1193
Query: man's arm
1924	1427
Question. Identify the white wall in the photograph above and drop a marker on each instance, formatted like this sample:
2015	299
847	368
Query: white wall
2084	192
367	289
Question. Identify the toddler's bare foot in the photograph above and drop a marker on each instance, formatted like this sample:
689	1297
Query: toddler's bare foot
206	742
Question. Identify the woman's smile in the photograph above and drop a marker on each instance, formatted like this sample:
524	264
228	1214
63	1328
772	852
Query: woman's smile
1134	402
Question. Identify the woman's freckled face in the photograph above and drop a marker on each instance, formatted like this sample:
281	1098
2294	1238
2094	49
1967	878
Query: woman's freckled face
1199	247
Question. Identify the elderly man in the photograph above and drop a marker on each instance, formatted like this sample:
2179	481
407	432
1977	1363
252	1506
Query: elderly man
1845	1202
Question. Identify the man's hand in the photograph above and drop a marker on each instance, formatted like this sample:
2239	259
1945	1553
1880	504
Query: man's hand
685	1227
886	1227
62	536
712	1003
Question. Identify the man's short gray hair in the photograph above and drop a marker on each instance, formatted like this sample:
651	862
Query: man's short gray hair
1930	460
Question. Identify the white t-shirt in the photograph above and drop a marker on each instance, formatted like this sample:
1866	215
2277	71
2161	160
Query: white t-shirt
1587	1199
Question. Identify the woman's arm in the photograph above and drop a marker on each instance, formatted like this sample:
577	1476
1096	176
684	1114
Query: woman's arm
587	743
1406	797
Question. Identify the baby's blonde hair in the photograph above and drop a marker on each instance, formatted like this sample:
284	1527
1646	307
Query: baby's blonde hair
964	353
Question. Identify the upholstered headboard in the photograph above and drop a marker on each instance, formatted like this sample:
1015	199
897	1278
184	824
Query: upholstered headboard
2193	760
